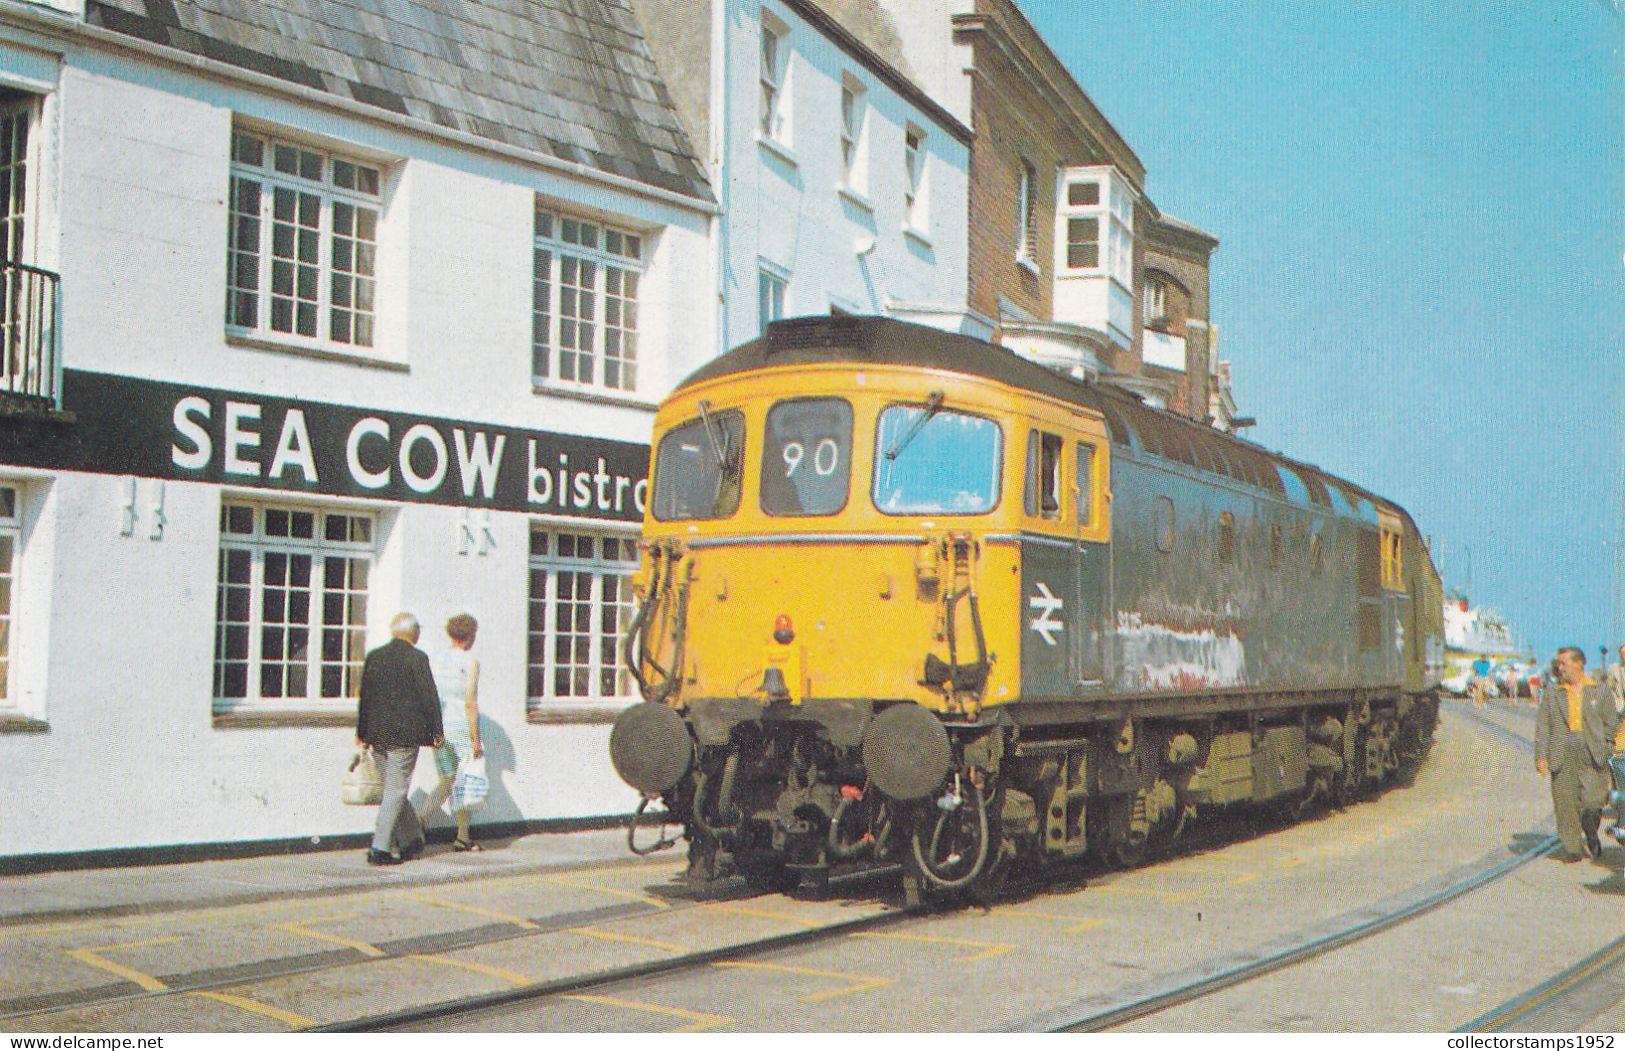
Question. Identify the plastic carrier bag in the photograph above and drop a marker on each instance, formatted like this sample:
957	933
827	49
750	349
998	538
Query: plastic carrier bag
363	785
470	787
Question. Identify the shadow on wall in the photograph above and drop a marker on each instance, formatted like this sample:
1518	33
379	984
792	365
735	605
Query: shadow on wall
500	805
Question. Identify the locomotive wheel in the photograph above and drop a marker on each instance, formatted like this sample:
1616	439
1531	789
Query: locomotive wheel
988	888
1129	854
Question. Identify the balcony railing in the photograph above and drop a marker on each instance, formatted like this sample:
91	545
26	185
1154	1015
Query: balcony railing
29	309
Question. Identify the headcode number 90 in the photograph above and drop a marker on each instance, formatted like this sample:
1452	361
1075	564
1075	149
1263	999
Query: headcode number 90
826	457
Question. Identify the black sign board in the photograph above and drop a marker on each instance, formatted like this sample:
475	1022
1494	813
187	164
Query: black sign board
142	427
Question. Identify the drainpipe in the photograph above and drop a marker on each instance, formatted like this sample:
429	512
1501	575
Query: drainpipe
721	142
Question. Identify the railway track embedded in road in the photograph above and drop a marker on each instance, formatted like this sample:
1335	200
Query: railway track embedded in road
524	996
1092	1016
211	984
1094	1019
1565	1002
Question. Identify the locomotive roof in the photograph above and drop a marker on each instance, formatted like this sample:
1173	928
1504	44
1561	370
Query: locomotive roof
886	341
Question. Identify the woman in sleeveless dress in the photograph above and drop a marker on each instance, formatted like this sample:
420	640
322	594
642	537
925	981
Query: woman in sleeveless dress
457	677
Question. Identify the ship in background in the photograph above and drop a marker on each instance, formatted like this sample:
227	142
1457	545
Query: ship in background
1474	633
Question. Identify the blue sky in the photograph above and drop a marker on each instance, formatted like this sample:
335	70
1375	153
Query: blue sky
1419	282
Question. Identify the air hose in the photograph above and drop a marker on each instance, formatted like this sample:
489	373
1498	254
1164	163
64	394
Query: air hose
662	843
845	851
633	653
714	831
659	694
942	882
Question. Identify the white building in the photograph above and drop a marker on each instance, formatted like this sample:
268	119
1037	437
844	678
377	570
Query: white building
842	184
364	307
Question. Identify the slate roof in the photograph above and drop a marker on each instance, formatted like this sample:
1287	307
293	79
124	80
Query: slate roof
570	78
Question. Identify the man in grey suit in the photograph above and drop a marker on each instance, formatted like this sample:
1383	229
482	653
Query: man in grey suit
399	713
1575	730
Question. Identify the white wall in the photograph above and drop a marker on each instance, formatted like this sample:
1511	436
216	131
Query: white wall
784	203
114	634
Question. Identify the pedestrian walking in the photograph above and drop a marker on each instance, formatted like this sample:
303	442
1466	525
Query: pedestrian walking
457	674
1481	676
399	713
1616	678
1577	729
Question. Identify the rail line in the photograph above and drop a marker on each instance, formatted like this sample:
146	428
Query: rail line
1564	1002
1077	1018
236	977
530	994
1088	1018
1086	1022
1093	1020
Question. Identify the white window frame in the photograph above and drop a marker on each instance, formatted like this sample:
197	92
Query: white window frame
1027	213
1155	306
11	558
599	651
596	270
20	323
916	184
854	134
260	545
20	212
773	76
346	294
1113	214
772	292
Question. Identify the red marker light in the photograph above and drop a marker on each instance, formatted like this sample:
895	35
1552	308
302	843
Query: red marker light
783	632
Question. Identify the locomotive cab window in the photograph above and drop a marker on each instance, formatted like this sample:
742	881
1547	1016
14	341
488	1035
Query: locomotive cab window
1393	569
806	456
1086	484
932	461
697	467
1043	494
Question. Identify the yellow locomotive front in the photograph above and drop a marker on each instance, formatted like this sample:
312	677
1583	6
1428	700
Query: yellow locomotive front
828	621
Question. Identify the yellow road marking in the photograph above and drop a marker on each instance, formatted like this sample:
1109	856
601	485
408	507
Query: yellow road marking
860	982
765	914
1168	896
989	949
118	923
258	1008
560	881
303	927
1079	923
611	936
701	1020
155	985
94	958
513	977
473	910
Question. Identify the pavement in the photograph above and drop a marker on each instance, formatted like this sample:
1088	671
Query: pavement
124	890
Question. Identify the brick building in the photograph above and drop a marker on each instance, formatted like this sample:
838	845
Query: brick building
1064	242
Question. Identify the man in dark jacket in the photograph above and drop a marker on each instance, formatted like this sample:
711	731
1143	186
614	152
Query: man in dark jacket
399	713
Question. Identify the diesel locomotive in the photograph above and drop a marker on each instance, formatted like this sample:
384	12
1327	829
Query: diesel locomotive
907	597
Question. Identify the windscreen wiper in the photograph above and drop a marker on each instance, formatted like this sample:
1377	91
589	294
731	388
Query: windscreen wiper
710	432
933	405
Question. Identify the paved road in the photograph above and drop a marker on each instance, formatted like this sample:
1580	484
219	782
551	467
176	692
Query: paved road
372	940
